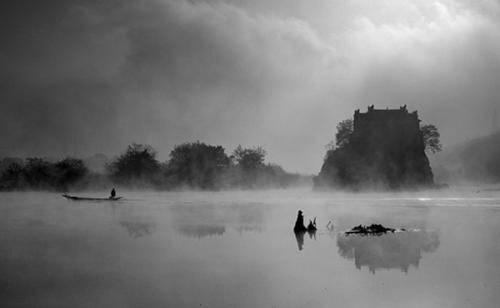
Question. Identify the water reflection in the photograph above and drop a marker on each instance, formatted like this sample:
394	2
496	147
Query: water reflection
200	231
210	219
243	229
299	236
137	229
388	251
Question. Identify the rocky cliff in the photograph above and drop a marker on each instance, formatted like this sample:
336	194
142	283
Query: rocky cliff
385	151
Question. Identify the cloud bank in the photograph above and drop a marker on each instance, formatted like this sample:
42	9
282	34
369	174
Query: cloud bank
82	77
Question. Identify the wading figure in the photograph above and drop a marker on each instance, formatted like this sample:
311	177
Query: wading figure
299	223
112	194
312	226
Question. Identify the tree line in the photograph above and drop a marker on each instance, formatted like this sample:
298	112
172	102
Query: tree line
193	165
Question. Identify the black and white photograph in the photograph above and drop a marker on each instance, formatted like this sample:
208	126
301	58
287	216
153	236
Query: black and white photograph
250	153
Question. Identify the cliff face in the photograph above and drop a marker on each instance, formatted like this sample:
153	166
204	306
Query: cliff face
385	150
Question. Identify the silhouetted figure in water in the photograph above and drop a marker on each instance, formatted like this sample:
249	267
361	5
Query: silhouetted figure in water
312	226
112	194
299	236
300	229
299	223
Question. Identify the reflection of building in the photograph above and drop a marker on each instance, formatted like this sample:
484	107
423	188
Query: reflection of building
388	251
137	229
200	231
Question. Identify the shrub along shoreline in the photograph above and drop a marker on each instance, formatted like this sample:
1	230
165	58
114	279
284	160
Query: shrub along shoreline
190	166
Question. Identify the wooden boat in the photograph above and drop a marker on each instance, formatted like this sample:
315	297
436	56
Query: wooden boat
75	198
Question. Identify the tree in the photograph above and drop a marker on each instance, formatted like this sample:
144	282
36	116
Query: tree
249	166
330	146
430	135
138	163
39	173
196	165
344	131
13	177
250	158
69	171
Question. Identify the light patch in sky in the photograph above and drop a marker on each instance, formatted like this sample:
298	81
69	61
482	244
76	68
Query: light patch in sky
84	77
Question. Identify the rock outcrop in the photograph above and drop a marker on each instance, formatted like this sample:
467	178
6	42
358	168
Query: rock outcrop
385	151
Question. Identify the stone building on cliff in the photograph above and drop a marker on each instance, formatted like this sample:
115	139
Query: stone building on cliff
385	150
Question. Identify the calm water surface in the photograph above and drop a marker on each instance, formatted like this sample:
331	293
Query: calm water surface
237	249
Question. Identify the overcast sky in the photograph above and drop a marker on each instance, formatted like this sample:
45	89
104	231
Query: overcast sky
84	77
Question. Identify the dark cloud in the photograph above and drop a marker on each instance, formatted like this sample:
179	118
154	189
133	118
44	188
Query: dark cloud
80	77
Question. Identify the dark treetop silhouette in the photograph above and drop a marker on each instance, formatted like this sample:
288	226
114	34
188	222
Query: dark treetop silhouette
37	173
191	165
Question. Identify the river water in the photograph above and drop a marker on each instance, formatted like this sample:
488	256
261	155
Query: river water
237	249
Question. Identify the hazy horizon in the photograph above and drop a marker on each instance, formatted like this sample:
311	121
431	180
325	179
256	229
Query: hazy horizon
85	77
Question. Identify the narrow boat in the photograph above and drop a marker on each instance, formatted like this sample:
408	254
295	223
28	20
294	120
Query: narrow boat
75	198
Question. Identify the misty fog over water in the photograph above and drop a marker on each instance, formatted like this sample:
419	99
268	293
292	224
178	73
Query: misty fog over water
227	249
219	123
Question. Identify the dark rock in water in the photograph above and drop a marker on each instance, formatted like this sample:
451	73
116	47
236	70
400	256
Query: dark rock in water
371	229
385	150
299	223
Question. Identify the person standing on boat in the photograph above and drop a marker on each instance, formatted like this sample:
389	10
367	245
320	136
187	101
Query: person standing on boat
112	194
